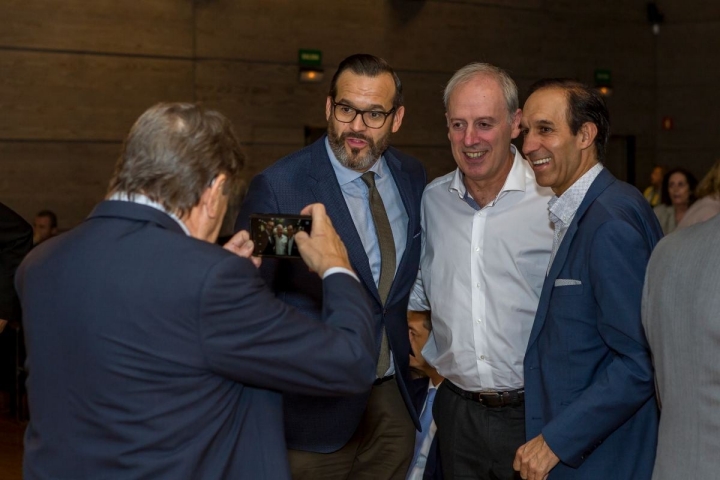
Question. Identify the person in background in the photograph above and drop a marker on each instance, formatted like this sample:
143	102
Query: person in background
707	194
681	316
678	194
45	226
15	242
653	193
425	464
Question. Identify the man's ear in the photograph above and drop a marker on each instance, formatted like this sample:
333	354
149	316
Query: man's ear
586	135
213	194
328	108
515	125
398	118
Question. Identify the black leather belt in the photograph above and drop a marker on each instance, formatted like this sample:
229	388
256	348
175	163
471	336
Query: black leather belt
379	381
491	399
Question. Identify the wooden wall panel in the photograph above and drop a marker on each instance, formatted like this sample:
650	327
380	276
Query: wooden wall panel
684	58
682	11
89	97
607	10
691	107
157	27
265	101
82	72
68	178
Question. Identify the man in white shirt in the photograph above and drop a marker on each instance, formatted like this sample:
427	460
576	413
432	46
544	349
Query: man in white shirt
485	249
280	241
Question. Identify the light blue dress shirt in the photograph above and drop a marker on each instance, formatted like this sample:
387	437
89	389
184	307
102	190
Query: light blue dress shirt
356	196
355	193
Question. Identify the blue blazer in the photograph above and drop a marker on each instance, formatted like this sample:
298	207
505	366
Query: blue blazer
588	374
433	467
326	424
152	354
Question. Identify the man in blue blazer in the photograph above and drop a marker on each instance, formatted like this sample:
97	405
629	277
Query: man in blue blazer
152	352
370	434
590	403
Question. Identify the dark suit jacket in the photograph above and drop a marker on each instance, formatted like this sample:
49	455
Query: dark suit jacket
15	242
152	354
304	177
433	468
588	375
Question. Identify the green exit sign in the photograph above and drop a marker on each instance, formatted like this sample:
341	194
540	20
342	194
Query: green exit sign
310	58
602	78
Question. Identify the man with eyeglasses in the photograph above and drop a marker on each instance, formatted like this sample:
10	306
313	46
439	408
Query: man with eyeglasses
372	194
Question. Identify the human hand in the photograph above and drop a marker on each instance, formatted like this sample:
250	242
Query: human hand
323	248
535	459
241	245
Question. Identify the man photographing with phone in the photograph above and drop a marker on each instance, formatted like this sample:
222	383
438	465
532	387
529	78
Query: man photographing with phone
152	352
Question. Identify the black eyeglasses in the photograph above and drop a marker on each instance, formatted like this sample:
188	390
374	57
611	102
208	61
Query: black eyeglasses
371	118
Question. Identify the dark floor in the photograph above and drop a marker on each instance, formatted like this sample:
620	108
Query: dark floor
11	446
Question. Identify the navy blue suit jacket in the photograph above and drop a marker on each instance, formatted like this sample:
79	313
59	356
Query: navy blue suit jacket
433	468
305	177
152	354
588	374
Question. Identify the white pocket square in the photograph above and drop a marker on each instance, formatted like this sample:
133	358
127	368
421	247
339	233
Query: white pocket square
563	282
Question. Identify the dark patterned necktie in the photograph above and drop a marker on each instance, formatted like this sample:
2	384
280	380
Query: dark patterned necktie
387	261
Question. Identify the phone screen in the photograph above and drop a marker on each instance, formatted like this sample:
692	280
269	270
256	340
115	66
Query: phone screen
274	234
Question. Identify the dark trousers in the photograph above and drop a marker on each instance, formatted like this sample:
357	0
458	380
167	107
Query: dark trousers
476	441
380	449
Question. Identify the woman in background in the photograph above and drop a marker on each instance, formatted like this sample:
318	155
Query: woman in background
708	199
677	195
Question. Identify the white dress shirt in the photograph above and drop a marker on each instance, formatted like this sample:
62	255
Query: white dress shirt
481	274
281	245
563	208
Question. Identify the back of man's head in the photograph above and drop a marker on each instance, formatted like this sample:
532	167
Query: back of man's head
172	154
584	104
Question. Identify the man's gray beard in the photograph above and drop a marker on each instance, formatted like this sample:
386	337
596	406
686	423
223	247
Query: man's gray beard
356	162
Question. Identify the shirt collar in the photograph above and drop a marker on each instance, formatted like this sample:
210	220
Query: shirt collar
347	175
565	206
515	181
144	200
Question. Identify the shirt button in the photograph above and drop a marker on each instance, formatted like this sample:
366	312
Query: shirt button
477	249
479	320
477	285
482	357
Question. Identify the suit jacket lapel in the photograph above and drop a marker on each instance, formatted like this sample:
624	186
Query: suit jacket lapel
601	182
325	187
404	185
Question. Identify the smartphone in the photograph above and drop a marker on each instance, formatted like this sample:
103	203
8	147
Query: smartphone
274	234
